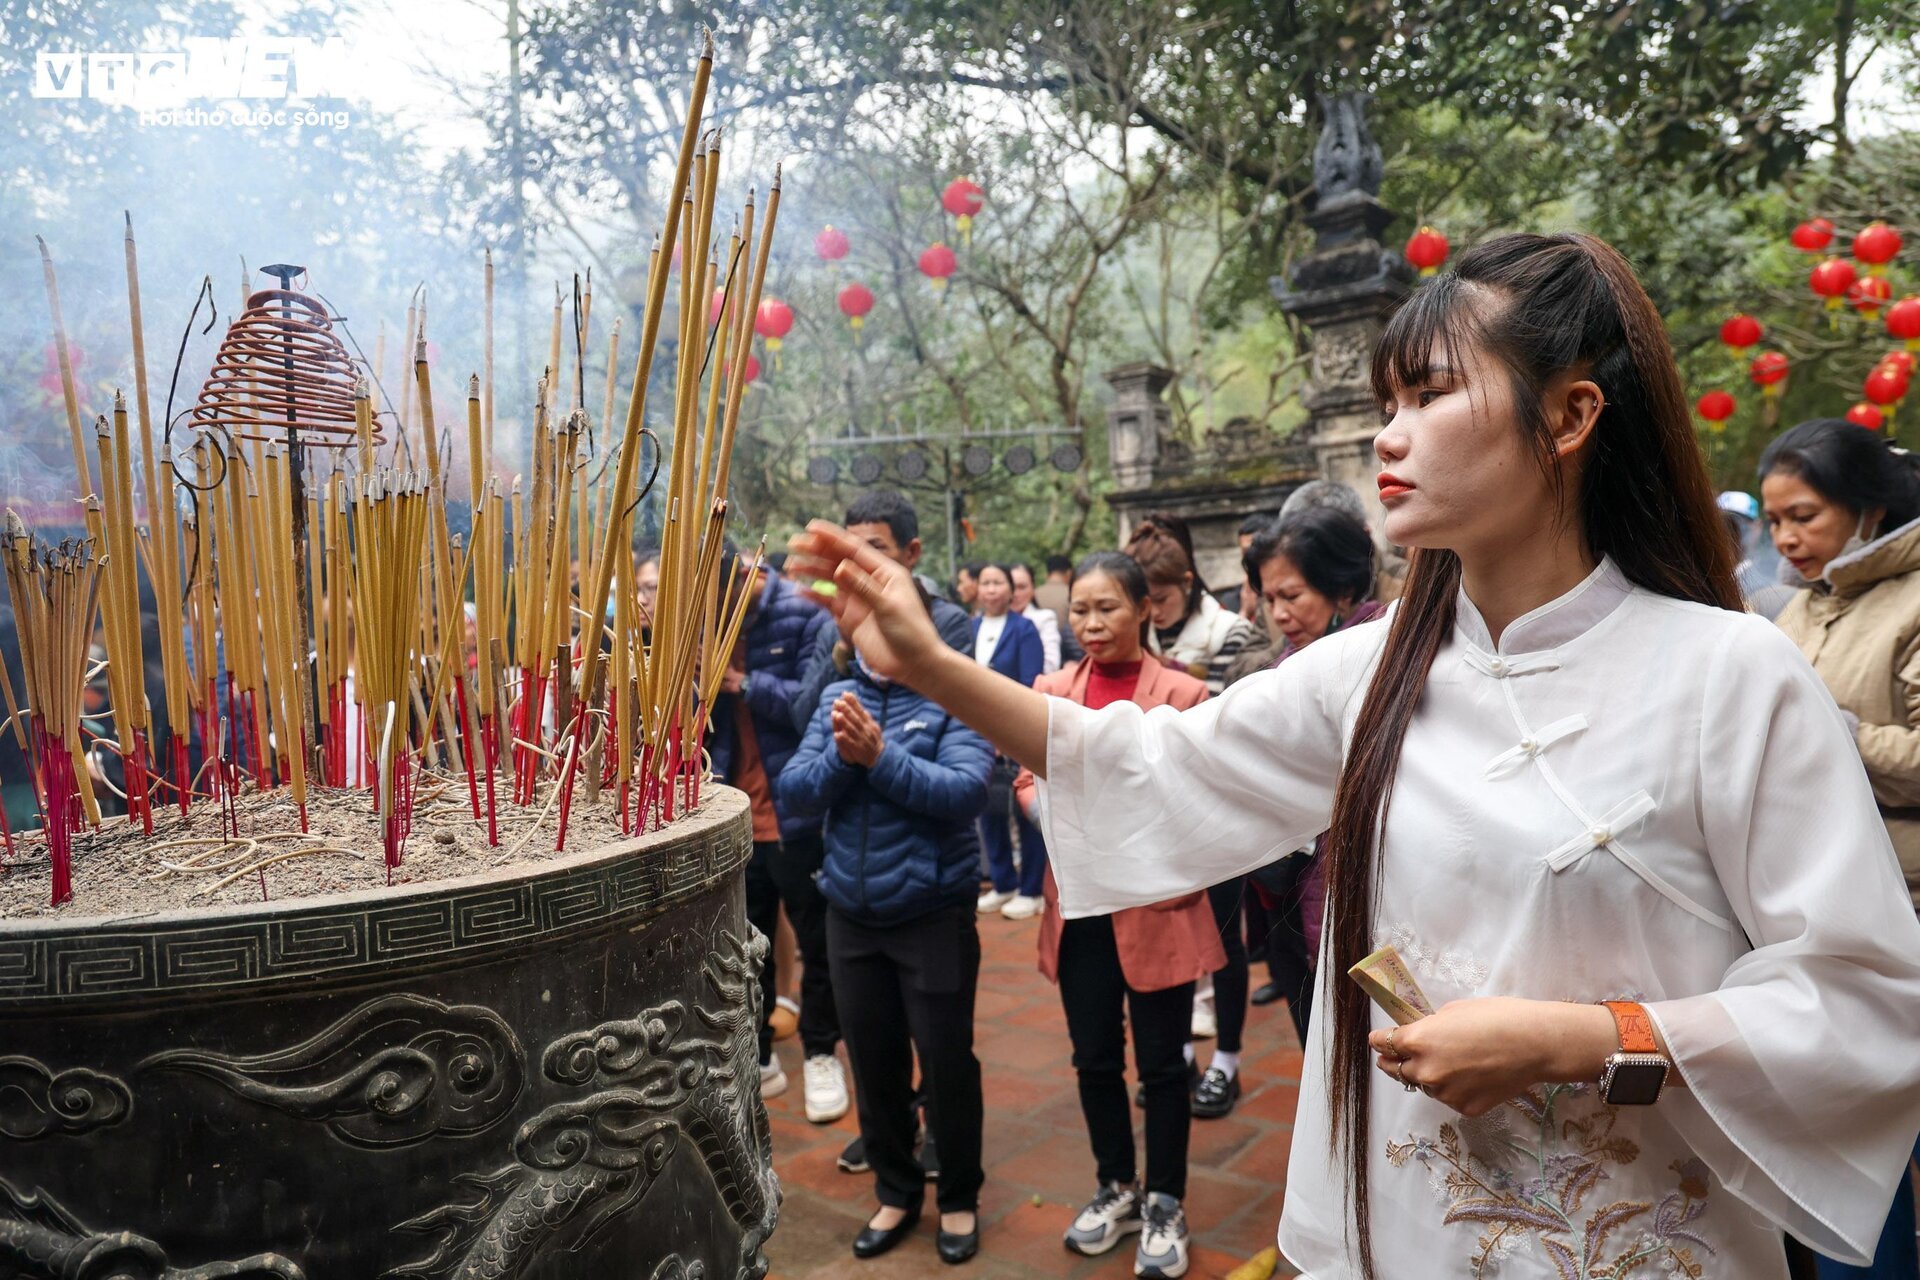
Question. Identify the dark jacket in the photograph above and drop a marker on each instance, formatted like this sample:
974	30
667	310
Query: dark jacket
900	837
778	639
1018	656
949	619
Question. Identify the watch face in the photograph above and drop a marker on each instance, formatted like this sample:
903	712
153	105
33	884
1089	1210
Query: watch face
1634	1084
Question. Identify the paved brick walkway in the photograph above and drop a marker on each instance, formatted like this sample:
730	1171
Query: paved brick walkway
1036	1148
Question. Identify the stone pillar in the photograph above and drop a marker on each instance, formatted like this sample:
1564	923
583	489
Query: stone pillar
1343	290
1238	470
1137	421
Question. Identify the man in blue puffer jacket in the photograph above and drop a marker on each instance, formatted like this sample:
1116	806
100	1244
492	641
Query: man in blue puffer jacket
900	782
752	736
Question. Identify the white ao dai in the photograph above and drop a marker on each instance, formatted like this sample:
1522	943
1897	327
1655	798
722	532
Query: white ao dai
1628	796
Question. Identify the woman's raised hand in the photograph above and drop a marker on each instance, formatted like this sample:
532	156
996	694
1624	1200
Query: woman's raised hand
874	600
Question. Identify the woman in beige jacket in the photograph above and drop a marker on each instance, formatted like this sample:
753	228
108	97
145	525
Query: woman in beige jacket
1844	510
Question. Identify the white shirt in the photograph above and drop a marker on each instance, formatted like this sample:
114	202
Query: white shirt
988	638
1628	796
1049	624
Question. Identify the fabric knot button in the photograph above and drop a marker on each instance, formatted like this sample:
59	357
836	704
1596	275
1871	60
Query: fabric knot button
1602	835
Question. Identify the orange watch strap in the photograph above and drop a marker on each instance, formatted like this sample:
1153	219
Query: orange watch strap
1636	1028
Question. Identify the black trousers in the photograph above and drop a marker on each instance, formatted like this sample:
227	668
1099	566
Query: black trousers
908	989
1099	1005
780	873
1288	959
1230	983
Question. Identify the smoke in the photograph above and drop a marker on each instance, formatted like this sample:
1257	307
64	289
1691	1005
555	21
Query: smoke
210	183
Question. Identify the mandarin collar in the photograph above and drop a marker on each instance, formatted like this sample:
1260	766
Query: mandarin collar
1554	623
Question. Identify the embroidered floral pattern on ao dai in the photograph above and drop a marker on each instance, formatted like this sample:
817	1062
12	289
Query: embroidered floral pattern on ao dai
1538	1175
1627	795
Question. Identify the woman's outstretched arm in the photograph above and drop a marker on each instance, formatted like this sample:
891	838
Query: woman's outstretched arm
878	609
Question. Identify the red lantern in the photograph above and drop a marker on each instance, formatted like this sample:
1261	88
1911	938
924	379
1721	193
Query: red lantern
1741	332
1876	245
831	244
1903	321
1716	407
753	367
1426	249
1768	371
1831	280
1886	384
774	321
856	300
1813	236
937	263
1869	294
1866	415
963	199
1903	361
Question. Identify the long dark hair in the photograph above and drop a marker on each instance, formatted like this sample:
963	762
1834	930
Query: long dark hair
1126	572
1537	307
1850	465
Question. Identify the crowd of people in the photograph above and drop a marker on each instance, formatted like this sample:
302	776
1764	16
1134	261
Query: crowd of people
888	823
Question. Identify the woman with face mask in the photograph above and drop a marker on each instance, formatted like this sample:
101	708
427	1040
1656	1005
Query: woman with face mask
1612	824
1843	506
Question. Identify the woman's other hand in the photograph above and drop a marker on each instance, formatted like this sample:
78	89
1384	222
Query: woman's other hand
1473	1055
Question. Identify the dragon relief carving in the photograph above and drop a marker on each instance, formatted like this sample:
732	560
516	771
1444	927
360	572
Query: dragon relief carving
41	1240
664	1078
396	1070
37	1101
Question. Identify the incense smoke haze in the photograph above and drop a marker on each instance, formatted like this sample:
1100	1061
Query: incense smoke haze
227	142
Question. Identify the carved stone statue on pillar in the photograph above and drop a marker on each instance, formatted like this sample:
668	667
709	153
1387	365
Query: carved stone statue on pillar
1343	290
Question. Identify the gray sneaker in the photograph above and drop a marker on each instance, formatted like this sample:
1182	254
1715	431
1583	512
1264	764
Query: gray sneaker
1162	1254
1113	1212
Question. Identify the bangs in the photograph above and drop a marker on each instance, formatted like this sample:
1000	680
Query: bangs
1428	331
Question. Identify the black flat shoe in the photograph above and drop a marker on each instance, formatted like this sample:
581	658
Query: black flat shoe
1267	993
956	1247
872	1242
1215	1095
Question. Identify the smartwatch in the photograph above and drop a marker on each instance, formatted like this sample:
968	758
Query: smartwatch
1635	1075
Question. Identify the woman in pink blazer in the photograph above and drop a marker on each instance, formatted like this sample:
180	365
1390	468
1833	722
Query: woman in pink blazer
1135	967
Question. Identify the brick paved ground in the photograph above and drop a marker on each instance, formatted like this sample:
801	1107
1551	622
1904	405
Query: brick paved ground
1036	1145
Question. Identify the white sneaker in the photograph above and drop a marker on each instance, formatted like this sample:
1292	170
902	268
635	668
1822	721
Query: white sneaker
1162	1253
826	1089
773	1079
1205	1026
1021	907
992	900
1113	1212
